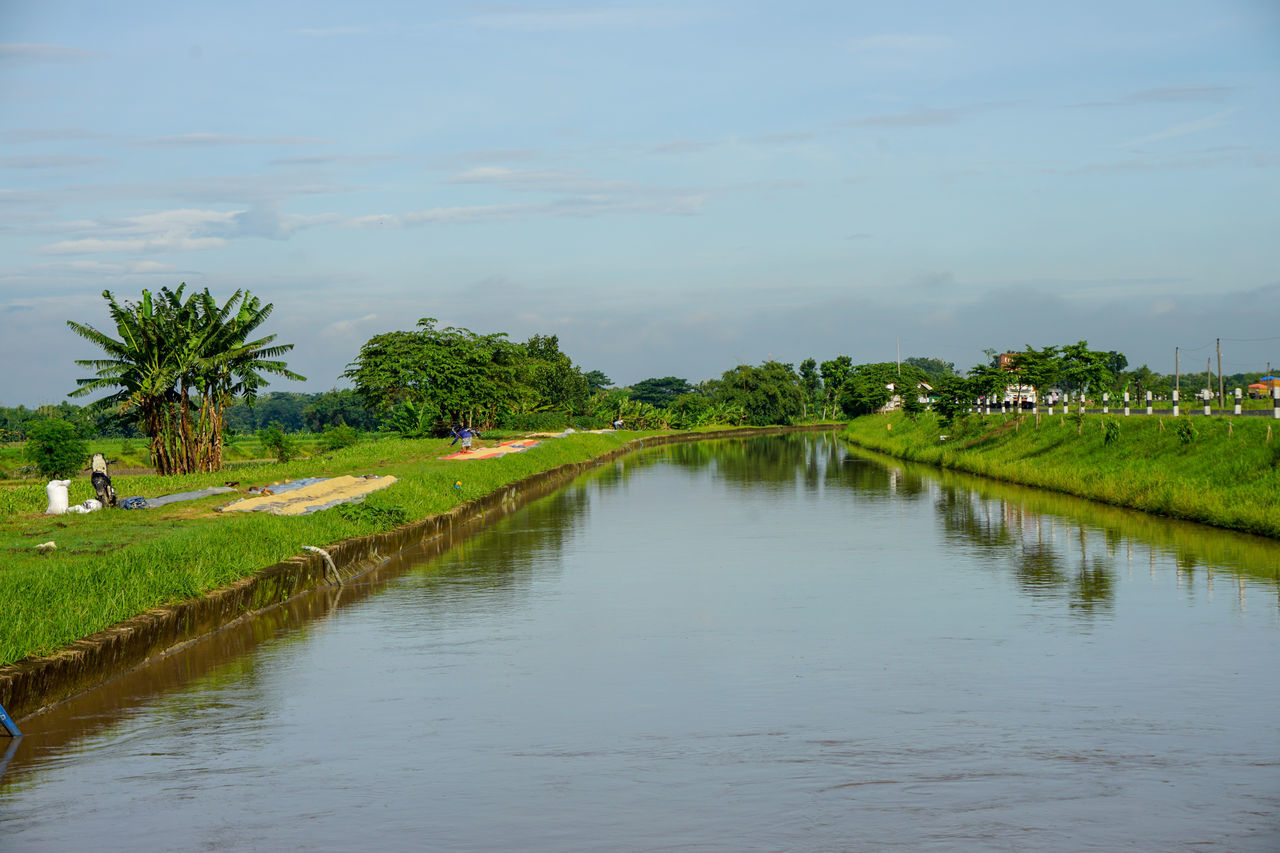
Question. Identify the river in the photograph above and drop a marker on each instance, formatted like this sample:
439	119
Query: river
768	644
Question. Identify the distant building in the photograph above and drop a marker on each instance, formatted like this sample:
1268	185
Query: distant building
925	395
1017	394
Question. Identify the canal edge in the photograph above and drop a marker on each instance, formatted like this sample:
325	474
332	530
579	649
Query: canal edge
33	685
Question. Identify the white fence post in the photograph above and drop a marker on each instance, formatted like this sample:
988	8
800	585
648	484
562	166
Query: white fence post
1106	399
1126	404
1175	402
1148	402
1239	395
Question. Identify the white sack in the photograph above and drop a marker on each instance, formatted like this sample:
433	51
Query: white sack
57	492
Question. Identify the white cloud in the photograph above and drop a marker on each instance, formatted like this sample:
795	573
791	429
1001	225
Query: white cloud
184	230
159	243
222	139
43	52
341	327
1197	126
538	179
107	268
50	161
56	134
542	20
682	205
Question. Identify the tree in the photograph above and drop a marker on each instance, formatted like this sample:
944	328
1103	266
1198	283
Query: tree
1084	369
688	411
338	407
177	354
932	368
1037	368
989	381
597	381
551	377
834	374
811	381
660	392
1116	362
769	394
56	448
450	375
871	386
954	396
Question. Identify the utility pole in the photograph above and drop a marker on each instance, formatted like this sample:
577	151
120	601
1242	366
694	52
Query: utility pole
899	340
1208	381
1177	376
1222	396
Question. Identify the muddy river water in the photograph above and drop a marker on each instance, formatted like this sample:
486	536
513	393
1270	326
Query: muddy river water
770	644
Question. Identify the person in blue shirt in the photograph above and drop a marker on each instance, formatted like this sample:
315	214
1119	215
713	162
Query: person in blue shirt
464	434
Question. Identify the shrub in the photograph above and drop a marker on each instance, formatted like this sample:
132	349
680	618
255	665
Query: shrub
1185	431
55	448
275	441
1110	431
338	437
387	517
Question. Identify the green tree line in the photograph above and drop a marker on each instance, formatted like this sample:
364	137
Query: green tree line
185	371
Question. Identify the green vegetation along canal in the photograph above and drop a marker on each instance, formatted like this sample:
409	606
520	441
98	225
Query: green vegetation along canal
765	644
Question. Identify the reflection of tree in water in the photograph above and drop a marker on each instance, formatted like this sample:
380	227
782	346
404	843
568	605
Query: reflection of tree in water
781	460
877	482
1192	543
1093	586
504	557
1007	533
972	521
1039	570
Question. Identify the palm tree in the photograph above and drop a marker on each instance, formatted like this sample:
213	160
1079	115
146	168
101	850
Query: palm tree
171	348
140	369
230	366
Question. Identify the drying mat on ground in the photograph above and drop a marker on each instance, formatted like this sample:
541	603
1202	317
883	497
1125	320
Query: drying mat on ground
316	496
497	450
152	503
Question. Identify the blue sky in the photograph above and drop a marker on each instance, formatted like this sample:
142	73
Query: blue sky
671	188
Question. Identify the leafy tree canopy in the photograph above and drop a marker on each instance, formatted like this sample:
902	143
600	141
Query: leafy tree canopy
1084	370
932	368
769	394
660	392
597	381
448	375
868	387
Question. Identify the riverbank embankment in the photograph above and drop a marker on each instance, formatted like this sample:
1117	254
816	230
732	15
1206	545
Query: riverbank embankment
125	587
1216	470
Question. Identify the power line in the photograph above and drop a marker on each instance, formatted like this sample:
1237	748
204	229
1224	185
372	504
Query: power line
1249	340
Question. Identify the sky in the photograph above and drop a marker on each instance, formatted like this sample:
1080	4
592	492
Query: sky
671	188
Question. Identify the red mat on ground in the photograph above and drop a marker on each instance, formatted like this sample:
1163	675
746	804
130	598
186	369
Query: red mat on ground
496	450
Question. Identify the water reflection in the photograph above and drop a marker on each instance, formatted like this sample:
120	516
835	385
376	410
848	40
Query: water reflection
1058	546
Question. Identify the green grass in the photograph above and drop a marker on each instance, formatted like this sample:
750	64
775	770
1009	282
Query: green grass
131	453
1229	476
114	564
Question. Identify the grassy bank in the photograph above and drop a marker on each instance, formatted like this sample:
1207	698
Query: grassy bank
1219	470
133	454
114	564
